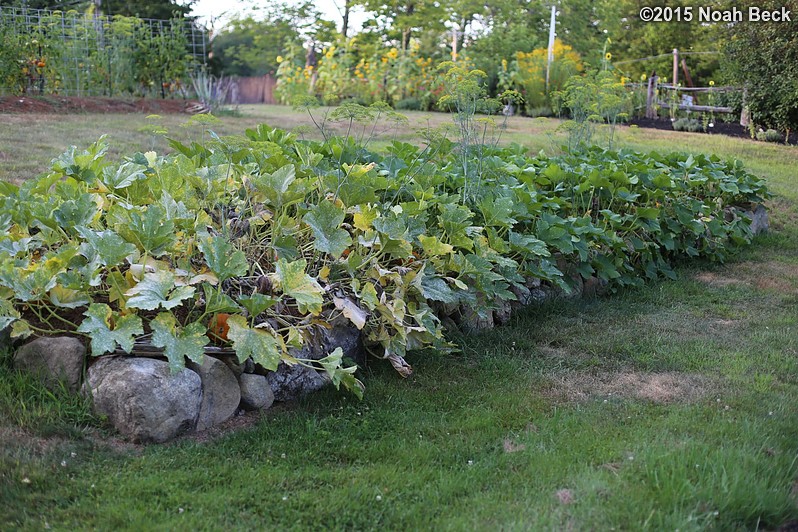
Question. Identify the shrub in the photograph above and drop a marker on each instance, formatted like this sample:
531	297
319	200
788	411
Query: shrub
408	104
690	125
531	73
771	135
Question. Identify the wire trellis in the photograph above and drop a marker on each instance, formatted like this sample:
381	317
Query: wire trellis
77	54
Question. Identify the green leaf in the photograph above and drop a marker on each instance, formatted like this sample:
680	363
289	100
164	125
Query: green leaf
325	220
105	336
217	301
151	231
126	174
109	246
73	213
262	345
8	313
290	277
221	259
497	211
339	375
275	186
21	329
257	303
178	343
648	213
157	289
68	298
435	288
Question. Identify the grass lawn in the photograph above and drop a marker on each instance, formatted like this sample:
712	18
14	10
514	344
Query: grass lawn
674	406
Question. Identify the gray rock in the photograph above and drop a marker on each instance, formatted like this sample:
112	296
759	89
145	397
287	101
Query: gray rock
221	394
503	311
345	335
759	220
56	360
292	382
594	287
756	212
256	394
142	399
539	295
479	318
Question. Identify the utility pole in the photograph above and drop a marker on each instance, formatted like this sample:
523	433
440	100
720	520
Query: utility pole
551	45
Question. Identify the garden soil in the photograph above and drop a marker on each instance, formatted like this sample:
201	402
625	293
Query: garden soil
73	105
730	129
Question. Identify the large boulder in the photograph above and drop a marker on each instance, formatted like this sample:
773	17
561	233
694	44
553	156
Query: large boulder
256	394
55	360
291	382
220	392
143	399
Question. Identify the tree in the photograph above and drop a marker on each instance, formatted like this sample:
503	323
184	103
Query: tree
250	47
763	56
156	9
400	19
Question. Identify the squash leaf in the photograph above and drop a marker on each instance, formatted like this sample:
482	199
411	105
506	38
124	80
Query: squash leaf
261	345
325	221
290	277
177	342
221	259
157	289
108	329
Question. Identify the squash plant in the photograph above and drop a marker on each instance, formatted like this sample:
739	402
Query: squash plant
255	242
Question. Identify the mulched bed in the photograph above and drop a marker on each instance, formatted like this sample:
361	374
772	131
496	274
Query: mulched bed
730	129
74	105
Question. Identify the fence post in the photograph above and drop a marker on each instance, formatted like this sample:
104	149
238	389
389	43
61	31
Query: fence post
651	111
675	67
745	115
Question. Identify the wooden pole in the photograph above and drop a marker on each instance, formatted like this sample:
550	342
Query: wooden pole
675	67
688	79
651	111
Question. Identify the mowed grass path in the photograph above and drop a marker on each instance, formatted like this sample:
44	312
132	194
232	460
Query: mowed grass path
674	406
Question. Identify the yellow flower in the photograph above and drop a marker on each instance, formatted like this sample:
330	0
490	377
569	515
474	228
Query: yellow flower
504	65
643	77
711	83
279	59
608	56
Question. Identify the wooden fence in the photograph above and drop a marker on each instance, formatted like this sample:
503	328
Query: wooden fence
655	91
258	89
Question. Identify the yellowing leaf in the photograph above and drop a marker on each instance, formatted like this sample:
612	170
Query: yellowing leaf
262	345
434	247
352	311
365	216
291	279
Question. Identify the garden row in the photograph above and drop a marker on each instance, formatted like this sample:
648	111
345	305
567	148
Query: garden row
256	242
75	54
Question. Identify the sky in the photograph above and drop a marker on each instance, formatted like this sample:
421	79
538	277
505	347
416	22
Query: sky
220	11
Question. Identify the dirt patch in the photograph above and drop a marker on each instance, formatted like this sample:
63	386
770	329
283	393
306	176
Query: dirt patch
661	388
73	105
771	275
717	280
